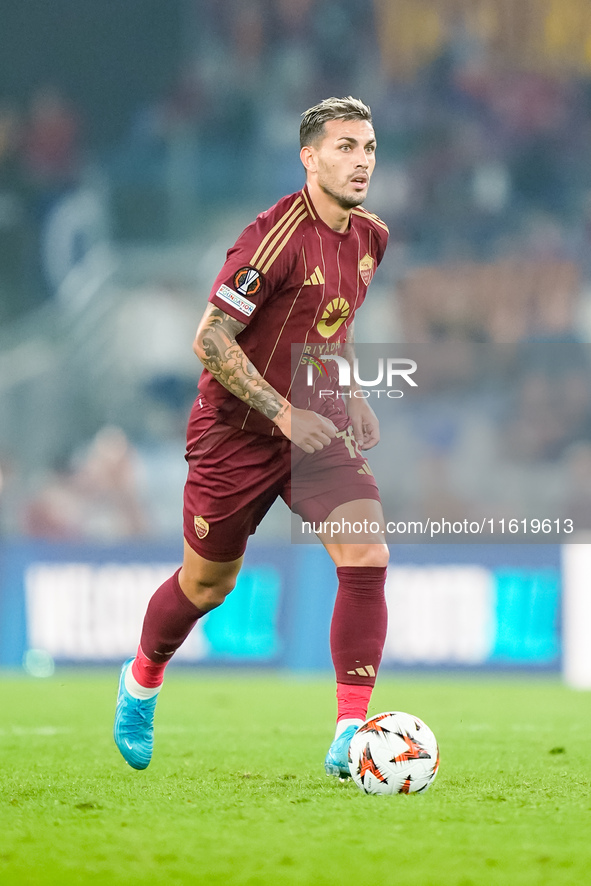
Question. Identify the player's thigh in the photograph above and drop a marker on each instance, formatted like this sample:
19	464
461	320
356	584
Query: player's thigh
207	582
327	480
354	534
233	479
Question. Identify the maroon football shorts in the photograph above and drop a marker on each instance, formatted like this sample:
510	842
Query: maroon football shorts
235	476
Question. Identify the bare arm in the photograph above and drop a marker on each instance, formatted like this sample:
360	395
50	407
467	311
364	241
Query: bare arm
216	346
365	423
349	353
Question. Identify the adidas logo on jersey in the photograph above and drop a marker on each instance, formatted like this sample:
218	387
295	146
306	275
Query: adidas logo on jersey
315	278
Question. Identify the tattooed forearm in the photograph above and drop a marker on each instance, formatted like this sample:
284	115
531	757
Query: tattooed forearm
220	353
232	368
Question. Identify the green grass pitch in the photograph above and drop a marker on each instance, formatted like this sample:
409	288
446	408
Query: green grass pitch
236	792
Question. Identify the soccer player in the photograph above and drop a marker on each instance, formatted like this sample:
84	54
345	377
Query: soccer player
297	274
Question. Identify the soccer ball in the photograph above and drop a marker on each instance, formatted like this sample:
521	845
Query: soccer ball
393	753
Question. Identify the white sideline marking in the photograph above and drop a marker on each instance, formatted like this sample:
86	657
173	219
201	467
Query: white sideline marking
34	730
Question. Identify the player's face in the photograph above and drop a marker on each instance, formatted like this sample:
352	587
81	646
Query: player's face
345	159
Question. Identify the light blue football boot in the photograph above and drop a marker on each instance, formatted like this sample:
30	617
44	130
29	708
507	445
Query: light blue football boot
337	759
134	725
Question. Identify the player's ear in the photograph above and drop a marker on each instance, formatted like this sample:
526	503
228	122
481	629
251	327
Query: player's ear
308	158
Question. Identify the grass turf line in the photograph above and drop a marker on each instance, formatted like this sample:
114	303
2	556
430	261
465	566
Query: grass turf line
236	793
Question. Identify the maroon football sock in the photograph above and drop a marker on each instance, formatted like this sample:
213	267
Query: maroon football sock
358	632
169	619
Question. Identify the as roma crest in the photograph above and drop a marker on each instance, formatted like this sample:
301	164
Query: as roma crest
201	526
366	268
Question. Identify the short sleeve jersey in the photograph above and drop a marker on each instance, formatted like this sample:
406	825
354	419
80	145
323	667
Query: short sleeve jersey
292	280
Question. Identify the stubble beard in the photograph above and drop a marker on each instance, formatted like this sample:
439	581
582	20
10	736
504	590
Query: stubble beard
345	201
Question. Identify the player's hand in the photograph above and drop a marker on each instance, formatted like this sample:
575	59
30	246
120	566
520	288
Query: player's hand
366	426
308	430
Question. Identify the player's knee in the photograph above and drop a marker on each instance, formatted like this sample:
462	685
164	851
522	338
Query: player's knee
208	593
373	557
213	595
367	555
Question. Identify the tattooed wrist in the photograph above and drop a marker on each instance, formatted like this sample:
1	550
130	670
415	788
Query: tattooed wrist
283	412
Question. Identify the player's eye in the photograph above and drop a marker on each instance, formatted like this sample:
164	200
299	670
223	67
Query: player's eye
345	147
370	149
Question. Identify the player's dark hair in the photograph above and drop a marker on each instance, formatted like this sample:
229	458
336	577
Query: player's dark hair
313	120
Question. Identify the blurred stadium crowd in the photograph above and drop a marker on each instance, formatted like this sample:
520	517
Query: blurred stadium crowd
110	235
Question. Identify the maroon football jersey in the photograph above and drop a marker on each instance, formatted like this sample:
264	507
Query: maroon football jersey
292	280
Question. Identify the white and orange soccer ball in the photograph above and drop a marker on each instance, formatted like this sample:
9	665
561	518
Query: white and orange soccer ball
393	753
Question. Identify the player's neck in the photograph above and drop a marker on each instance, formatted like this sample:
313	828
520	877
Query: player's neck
328	209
